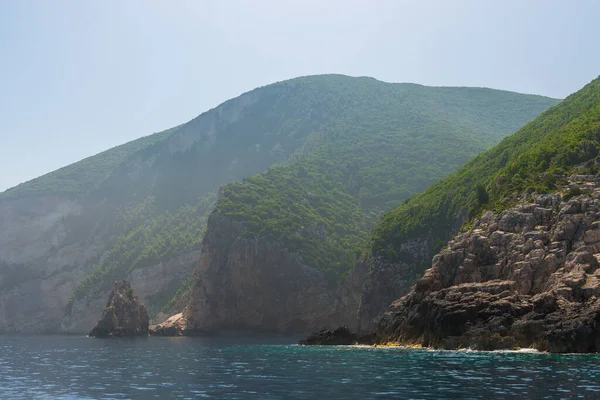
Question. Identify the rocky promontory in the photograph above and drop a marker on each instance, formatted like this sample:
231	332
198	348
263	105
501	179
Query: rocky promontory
123	314
255	285
528	276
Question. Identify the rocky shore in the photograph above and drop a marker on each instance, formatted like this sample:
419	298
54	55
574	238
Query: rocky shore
123	315
526	277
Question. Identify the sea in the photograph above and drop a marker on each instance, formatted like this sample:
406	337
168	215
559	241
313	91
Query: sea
267	367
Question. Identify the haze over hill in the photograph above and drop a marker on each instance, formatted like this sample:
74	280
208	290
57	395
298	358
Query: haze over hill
82	77
341	150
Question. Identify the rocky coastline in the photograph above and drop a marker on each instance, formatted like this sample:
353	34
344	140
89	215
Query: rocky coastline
525	277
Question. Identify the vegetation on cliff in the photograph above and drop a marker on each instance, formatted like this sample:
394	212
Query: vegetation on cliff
534	160
386	143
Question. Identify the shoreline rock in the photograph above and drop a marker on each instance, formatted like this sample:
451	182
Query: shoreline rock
340	336
123	315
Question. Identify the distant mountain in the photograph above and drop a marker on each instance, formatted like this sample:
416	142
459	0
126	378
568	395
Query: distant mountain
333	153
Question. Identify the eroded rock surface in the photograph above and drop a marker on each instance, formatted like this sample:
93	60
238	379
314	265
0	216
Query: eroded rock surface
123	314
527	277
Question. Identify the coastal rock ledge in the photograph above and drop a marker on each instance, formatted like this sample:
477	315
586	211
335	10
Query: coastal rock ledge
340	336
123	314
525	277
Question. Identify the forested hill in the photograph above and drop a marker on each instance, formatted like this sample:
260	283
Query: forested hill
351	147
386	143
536	159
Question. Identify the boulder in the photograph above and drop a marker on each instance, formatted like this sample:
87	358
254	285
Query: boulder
174	326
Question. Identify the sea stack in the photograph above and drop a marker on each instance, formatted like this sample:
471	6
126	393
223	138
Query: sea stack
123	314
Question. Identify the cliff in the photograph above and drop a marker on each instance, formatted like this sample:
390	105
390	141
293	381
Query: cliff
123	315
525	277
387	281
249	284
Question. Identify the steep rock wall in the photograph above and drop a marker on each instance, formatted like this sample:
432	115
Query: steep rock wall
528	276
257	285
385	281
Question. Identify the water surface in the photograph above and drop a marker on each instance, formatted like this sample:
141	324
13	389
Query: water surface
74	367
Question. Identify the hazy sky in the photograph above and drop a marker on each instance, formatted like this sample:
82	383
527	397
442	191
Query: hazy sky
78	77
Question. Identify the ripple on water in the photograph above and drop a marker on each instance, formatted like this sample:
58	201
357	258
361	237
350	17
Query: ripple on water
56	367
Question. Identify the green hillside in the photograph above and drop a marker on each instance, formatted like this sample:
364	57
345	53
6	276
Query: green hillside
535	159
315	161
387	143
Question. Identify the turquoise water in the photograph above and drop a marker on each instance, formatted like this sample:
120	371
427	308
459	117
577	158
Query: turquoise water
73	367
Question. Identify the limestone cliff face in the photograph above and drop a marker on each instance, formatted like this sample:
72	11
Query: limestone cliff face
257	285
528	276
387	281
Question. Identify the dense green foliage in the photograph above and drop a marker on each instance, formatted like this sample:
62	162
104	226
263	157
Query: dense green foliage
80	177
382	144
535	159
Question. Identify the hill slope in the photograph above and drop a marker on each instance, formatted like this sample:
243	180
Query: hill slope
139	211
538	158
308	220
526	272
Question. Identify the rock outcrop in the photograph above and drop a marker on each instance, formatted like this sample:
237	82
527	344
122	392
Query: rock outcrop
340	336
150	282
258	285
123	314
526	277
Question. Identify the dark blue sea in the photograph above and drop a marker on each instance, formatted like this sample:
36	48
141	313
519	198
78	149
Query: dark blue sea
76	367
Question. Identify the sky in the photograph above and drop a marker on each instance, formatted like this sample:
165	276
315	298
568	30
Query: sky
79	77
